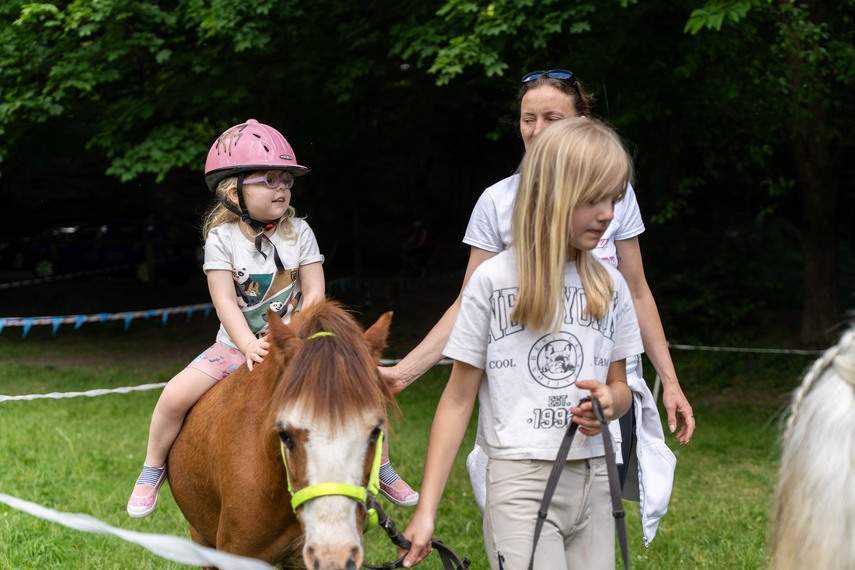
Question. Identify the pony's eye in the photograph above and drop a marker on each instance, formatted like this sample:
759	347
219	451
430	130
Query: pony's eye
286	438
375	433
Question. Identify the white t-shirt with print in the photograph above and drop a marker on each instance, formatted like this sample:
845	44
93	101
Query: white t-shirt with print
529	388
490	228
258	284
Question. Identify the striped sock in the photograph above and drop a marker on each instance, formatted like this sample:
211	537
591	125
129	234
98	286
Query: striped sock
150	475
388	474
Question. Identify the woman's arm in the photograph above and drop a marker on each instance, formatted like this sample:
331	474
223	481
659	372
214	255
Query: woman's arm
655	345
446	434
312	284
429	351
222	288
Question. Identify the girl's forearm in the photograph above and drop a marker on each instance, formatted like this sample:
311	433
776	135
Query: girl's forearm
222	289
447	432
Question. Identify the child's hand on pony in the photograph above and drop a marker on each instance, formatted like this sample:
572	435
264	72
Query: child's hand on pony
255	351
583	414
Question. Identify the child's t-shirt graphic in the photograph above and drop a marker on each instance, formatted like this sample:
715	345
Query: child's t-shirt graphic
258	285
258	292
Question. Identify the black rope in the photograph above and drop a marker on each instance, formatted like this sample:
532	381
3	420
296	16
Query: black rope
614	483
449	558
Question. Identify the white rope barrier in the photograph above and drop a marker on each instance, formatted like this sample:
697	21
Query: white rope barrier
747	350
392	361
90	393
166	546
140	388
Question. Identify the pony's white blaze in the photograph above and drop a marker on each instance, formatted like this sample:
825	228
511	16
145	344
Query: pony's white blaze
333	455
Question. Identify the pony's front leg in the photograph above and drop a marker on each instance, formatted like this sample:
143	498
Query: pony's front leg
197	537
263	537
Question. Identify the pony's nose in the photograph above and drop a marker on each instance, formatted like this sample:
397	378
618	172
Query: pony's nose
333	557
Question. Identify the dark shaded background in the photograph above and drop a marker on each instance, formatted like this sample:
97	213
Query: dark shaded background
387	147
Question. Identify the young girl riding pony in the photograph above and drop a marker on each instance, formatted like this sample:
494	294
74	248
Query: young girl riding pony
257	255
545	324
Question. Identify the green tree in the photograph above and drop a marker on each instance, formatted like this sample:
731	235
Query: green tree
808	75
141	89
748	114
730	152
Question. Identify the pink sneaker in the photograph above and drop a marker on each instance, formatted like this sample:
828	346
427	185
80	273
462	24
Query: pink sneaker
400	493
142	506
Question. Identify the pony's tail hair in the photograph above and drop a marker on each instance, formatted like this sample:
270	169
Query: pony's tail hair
815	505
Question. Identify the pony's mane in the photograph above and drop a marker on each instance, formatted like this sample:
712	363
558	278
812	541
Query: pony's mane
815	506
334	376
838	356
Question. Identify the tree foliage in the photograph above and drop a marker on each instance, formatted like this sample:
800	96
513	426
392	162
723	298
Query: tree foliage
809	76
739	114
758	114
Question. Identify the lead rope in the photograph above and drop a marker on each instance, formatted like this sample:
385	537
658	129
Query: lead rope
450	560
614	483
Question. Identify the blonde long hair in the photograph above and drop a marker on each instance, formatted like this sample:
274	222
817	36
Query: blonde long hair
815	502
573	162
219	215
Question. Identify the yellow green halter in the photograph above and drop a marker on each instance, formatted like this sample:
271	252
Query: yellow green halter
359	494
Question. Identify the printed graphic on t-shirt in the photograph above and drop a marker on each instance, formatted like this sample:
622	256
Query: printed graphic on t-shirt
253	288
502	304
555	415
258	291
606	253
282	304
248	287
555	361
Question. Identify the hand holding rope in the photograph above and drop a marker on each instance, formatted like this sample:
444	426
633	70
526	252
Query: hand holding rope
450	560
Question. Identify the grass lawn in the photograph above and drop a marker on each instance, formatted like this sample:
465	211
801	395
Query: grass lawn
83	454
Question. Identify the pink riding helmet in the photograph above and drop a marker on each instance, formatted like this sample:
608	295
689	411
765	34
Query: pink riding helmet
248	147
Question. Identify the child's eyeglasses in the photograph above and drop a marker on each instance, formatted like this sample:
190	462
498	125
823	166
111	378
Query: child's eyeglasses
272	179
553	73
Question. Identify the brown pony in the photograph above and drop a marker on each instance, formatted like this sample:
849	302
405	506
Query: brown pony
317	396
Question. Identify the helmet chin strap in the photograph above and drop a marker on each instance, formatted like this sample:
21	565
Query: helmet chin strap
257	226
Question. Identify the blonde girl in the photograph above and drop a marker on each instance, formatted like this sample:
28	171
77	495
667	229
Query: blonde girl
257	256
549	325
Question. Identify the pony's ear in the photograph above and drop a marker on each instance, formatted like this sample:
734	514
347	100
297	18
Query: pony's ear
375	337
279	331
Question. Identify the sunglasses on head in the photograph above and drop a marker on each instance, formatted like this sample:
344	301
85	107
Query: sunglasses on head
553	73
272	179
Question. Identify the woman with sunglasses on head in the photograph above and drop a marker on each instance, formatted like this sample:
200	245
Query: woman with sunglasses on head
258	255
546	97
